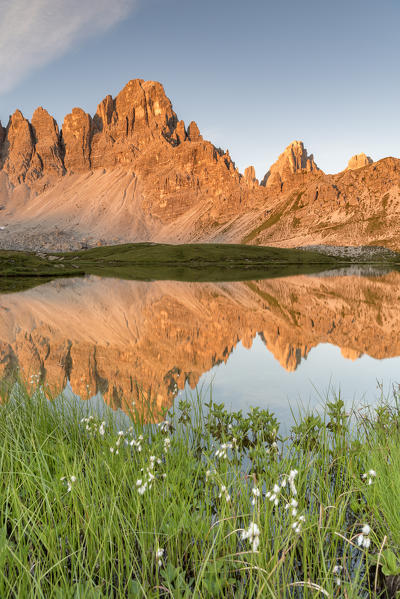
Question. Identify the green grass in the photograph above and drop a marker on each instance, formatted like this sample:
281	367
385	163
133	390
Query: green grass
293	202
98	536
187	262
148	261
272	220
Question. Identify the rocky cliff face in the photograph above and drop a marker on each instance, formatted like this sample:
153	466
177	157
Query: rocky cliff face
140	120
358	161
293	161
135	172
355	207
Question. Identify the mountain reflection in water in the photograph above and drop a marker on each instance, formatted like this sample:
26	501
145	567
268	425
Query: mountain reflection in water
129	340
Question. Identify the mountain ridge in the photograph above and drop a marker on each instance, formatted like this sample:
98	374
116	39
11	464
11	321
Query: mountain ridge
135	172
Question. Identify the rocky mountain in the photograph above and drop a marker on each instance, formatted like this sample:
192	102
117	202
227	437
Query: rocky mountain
134	172
292	161
358	161
134	340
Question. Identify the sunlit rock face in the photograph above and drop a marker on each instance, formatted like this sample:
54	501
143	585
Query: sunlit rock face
135	341
133	171
292	161
358	161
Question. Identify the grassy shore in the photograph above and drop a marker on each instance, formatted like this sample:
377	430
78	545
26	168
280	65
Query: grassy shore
148	261
206	504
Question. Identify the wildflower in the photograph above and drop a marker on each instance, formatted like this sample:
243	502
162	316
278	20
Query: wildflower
363	538
274	495
297	525
292	504
337	571
137	443
291	477
102	428
224	491
371	474
222	452
256	494
167	444
69	482
141	486
165	426
159	555
253	536
210	473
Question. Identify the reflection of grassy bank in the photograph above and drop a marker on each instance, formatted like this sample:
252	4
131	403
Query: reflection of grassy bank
146	261
205	506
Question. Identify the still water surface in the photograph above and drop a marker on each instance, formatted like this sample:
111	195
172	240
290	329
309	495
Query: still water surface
272	343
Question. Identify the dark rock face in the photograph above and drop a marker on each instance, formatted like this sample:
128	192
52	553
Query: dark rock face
193	132
2	134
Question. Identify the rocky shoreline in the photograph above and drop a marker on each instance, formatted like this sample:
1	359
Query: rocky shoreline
20	239
362	253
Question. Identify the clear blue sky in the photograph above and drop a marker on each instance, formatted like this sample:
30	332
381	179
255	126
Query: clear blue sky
254	75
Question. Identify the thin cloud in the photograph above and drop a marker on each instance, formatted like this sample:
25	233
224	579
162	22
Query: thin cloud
35	32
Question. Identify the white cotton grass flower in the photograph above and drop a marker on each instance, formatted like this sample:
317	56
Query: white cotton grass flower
210	474
252	534
137	443
148	475
298	524
222	452
69	481
34	378
291	477
93	426
273	495
363	538
224	493
141	486
159	556
370	475
165	426
256	494
337	570
292	506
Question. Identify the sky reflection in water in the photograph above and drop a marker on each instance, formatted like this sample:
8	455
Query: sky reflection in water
253	377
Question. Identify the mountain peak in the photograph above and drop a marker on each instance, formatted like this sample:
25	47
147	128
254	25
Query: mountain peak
358	161
294	159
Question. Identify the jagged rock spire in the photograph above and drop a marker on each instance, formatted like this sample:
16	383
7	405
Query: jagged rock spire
294	159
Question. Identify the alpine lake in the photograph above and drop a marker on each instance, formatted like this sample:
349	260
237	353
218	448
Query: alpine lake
127	325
